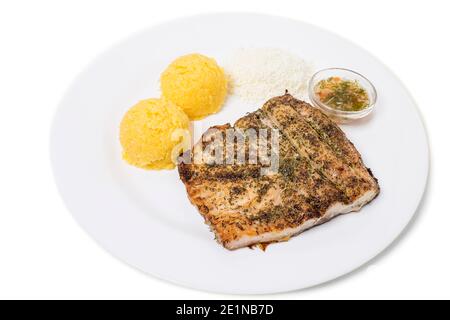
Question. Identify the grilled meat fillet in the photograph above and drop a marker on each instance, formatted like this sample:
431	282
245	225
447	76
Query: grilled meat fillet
320	175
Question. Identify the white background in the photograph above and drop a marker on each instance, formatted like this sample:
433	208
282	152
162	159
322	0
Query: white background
44	44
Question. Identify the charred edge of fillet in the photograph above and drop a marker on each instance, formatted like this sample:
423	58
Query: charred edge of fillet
376	181
371	173
185	172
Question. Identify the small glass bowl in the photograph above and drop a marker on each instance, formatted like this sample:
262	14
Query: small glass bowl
341	115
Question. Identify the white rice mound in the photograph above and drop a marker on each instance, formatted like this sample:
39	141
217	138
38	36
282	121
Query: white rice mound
258	74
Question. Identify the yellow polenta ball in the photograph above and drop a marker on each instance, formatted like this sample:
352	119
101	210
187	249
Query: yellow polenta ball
150	133
196	84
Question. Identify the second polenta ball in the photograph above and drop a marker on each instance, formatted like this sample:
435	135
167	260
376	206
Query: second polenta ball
196	84
153	133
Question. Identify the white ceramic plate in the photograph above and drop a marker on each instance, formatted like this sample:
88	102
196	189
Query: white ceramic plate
145	219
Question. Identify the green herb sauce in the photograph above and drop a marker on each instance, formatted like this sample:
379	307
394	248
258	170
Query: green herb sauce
340	94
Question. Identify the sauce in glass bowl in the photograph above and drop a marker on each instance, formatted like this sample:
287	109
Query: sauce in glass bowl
342	94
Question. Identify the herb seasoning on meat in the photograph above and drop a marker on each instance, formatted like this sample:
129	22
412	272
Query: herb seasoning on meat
320	175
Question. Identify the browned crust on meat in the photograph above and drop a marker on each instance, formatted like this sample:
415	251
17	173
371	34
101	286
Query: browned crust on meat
319	168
